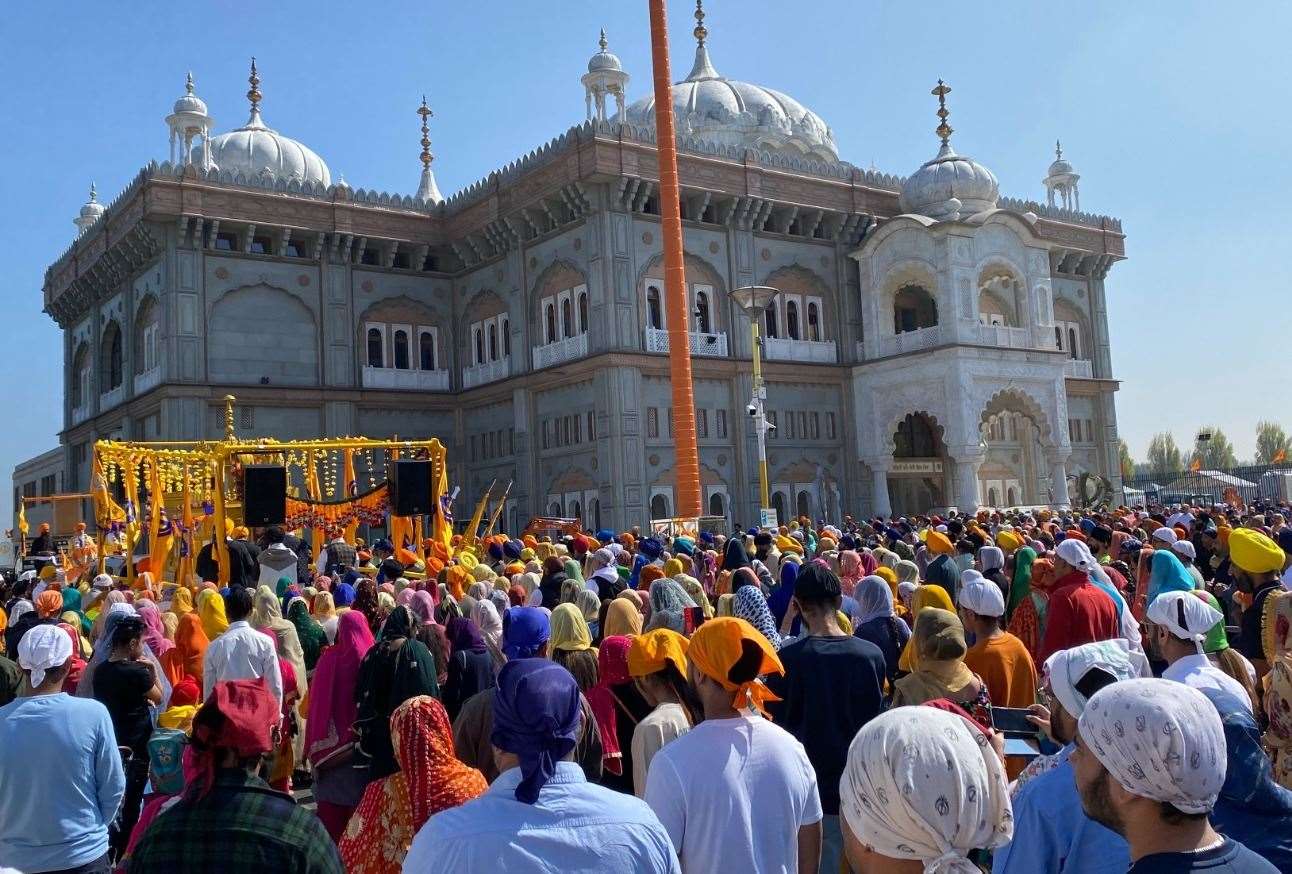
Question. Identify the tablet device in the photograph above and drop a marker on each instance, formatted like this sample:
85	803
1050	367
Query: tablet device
1013	721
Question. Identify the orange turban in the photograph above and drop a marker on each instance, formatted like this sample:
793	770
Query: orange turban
649	574
49	603
939	544
456	579
653	651
719	644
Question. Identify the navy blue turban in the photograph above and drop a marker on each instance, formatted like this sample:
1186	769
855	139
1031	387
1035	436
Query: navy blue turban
524	631
536	717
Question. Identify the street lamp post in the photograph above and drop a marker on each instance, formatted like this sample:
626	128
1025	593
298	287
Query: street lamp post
754	300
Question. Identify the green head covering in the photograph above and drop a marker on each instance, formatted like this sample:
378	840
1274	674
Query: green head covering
572	570
1021	586
1216	639
284	583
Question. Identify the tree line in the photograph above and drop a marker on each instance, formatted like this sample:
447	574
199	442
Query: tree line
1273	446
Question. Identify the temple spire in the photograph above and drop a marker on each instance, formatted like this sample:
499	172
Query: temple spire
944	130
427	192
254	96
1058	151
703	67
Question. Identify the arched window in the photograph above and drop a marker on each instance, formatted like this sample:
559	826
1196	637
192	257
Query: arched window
567	318
913	308
376	354
804	504
147	335
654	308
478	336
702	321
427	350
550	316
715	505
493	342
583	312
991	498
555	509
778	504
594	510
792	319
659	507
770	319
113	361
1011	497
401	350
814	321
576	511
81	376
1072	342
916	438
506	336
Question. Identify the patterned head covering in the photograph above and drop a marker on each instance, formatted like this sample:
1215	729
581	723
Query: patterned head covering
751	606
423	742
1160	740
901	798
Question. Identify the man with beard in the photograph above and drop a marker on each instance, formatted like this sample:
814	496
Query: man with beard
1149	764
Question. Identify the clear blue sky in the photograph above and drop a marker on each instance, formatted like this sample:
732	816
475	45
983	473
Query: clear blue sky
1174	113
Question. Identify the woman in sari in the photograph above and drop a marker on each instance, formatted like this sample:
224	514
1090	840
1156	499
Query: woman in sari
570	645
1021	581
311	635
266	613
430	779
210	609
186	658
618	706
154	631
431	634
329	728
365	602
850	573
1028	620
181	601
939	669
398	667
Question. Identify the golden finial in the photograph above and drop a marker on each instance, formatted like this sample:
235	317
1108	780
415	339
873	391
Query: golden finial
944	130
228	418
700	32
425	112
94	193
602	42
1058	151
254	94
188	85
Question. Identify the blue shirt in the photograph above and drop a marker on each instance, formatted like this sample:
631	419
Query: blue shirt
1053	834
60	782
575	826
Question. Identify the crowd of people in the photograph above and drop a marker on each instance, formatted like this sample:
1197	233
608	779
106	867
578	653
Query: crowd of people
815	697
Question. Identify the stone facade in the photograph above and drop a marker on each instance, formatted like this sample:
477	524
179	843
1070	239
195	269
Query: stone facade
519	321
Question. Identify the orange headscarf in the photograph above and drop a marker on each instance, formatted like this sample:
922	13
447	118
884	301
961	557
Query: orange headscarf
655	650
649	574
456	577
185	658
718	644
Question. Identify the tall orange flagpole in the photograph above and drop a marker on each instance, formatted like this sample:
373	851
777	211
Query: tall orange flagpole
687	463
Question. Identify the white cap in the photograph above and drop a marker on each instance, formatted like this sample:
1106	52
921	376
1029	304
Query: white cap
41	648
1166	535
981	595
1075	553
1184	548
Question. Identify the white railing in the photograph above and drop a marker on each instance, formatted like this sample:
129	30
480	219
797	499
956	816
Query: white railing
489	371
407	380
861	351
147	380
1003	336
80	414
561	351
910	341
707	345
110	399
1079	368
816	351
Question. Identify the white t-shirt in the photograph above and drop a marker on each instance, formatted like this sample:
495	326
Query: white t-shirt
732	794
1198	671
665	723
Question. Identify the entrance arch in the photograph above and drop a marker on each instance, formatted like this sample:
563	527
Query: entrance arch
1015	432
917	481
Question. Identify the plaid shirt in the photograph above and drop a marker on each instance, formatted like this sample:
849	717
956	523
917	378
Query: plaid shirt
240	826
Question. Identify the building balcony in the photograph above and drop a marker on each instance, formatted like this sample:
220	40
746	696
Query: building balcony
1079	368
149	379
110	399
405	380
489	371
811	351
569	349
1002	336
80	414
707	345
911	341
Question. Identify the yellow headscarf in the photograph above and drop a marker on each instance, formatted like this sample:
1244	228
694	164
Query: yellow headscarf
925	596
939	640
622	617
1008	541
210	609
653	651
181	602
673	567
569	629
719	644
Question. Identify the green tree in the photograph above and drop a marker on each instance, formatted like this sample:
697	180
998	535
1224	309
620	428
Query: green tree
1127	463
1271	439
1163	454
1216	453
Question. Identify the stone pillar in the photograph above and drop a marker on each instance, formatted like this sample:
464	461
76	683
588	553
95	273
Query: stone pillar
1059	481
880	503
968	461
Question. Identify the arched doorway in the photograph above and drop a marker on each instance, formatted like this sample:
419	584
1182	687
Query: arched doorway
917	481
659	507
1013	433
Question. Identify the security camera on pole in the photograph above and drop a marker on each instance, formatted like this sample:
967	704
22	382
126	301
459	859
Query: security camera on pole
754	300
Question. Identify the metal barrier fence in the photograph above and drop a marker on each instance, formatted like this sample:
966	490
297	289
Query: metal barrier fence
1236	485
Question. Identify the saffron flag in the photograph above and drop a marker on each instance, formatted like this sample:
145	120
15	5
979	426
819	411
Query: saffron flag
1196	464
469	538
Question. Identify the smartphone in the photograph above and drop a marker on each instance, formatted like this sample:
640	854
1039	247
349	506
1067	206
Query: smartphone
1021	747
1013	721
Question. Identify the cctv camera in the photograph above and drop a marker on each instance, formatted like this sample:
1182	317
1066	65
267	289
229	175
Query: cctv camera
752	409
771	427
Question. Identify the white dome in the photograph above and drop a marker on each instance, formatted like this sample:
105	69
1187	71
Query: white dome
92	208
949	187
710	106
604	60
255	149
190	102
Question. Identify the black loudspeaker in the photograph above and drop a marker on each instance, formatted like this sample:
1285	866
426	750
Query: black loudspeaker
410	487
264	494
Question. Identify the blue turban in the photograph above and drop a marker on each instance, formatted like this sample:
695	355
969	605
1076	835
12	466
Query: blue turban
524	631
605	535
535	716
495	551
1087	525
512	549
651	547
707	537
684	545
343	595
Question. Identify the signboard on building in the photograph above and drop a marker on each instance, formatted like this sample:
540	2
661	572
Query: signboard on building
767	518
917	467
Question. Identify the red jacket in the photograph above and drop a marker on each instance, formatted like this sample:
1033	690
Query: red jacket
1078	613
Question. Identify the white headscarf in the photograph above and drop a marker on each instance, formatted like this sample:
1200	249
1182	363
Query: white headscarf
981	595
1185	615
992	558
874	599
1160	740
41	648
901	799
1076	553
1068	667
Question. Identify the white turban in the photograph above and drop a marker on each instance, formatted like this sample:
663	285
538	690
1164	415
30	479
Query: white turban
41	648
1166	535
981	595
102	581
1067	668
1184	548
1076	553
992	558
20	609
1185	615
1160	740
900	798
